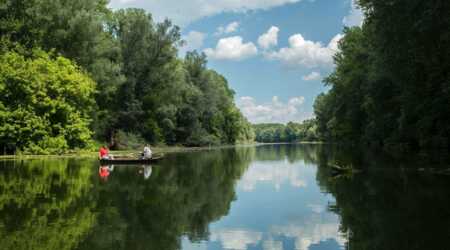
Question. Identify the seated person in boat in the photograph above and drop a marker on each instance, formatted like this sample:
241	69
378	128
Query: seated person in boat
147	154
103	154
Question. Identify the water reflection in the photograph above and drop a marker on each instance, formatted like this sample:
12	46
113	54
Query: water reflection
146	171
104	171
278	206
45	204
276	173
391	204
270	197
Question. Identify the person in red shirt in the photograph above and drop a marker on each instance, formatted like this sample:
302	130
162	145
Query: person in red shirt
103	153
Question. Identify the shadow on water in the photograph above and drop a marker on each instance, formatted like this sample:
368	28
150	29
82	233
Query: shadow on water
70	204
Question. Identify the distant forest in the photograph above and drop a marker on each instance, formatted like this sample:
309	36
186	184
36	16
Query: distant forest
291	132
391	84
72	72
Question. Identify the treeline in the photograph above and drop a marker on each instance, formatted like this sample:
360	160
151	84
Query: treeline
71	71
391	85
291	132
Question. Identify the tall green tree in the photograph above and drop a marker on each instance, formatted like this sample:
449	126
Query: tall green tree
78	30
391	83
45	103
143	89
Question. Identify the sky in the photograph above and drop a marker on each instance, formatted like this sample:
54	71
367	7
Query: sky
274	53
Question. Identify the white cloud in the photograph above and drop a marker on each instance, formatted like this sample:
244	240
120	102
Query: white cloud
306	53
270	38
230	28
355	17
237	239
232	48
274	111
311	232
333	45
317	208
313	76
272	245
194	40
185	12
276	174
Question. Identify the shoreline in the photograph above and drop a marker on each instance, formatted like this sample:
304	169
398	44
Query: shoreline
155	149
94	154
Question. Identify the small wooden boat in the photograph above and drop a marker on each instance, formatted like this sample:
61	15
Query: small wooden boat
130	161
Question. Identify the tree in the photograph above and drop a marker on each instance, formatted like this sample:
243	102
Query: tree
45	103
143	90
390	85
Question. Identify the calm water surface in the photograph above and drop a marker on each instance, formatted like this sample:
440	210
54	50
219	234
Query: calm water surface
270	197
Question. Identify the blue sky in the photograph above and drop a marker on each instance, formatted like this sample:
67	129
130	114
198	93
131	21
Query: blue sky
274	53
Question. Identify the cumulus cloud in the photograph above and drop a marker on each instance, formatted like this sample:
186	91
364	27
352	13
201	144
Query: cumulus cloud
313	76
306	53
194	40
274	111
232	48
272	245
236	239
276	174
311	233
230	28
185	12
270	38
317	208
355	17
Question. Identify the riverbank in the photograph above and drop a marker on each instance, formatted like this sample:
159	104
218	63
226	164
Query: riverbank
131	153
156	150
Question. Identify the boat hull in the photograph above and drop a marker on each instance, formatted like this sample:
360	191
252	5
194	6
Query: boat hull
130	161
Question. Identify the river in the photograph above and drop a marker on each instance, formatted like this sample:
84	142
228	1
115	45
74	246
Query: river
271	197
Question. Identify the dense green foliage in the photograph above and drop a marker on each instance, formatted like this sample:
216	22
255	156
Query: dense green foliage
391	85
142	88
291	132
45	103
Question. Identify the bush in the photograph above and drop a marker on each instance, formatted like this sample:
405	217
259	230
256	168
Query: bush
126	141
48	145
202	138
45	103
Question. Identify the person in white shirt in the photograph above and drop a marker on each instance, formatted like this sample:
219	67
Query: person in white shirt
147	154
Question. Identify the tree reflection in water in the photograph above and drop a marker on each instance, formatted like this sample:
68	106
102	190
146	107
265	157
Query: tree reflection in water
64	204
182	196
392	204
45	204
